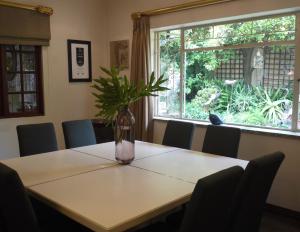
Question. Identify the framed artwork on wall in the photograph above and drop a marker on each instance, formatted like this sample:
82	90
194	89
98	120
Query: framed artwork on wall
119	54
79	61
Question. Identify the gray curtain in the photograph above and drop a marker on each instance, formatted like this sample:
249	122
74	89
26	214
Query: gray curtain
25	27
140	70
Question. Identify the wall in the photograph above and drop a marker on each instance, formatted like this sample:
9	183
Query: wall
72	19
286	188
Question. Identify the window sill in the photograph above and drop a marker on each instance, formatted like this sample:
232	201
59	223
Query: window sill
21	115
244	129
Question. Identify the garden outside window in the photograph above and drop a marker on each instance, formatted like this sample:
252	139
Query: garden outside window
243	71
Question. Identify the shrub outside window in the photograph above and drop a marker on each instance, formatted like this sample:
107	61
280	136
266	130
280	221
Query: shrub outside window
242	71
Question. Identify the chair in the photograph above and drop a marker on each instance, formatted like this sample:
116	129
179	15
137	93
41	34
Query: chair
17	213
36	138
221	140
208	209
179	134
78	133
252	193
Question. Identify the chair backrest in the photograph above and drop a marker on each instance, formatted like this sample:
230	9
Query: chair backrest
209	207
222	140
36	138
179	134
16	211
253	191
78	133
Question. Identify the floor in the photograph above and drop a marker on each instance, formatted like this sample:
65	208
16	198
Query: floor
277	223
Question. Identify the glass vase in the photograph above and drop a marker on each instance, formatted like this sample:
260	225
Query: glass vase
124	136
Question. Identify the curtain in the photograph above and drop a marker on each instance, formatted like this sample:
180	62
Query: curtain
140	70
25	27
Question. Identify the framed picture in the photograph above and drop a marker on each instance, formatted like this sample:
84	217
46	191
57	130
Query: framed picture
119	54
79	60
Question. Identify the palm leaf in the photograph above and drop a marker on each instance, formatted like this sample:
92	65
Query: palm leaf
113	92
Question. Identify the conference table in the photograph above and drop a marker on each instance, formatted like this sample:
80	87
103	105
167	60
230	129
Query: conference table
89	186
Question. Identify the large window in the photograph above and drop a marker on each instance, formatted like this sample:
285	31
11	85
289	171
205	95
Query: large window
20	81
242	71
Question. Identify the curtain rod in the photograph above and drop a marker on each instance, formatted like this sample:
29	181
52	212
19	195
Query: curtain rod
176	8
39	8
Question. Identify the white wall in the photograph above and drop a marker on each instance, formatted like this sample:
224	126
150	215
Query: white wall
286	188
72	19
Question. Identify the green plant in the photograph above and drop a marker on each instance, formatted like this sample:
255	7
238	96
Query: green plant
115	92
252	117
204	97
223	102
192	111
243	97
240	103
273	103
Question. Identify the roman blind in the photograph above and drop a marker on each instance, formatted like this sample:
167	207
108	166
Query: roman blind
24	27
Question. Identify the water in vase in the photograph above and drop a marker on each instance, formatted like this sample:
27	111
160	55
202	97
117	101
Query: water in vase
124	136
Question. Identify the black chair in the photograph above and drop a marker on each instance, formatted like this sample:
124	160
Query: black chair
18	214
221	140
253	191
78	133
209	207
179	134
36	138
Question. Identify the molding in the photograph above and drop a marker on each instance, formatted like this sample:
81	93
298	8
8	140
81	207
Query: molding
282	211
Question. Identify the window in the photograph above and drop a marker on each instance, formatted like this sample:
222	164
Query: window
20	81
242	71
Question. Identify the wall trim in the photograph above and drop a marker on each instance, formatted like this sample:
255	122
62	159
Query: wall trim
282	211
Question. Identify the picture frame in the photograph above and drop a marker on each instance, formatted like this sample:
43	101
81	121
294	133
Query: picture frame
119	54
79	60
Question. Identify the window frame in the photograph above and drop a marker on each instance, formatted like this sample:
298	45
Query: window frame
183	50
4	93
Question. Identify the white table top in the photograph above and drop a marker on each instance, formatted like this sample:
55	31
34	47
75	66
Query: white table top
88	185
142	150
187	165
50	166
115	198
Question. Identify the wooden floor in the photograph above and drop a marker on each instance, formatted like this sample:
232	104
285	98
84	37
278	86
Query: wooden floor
277	223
